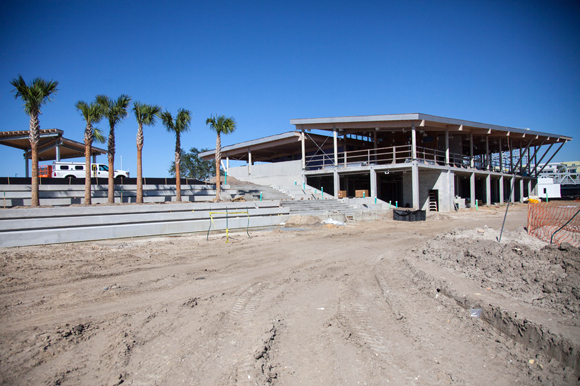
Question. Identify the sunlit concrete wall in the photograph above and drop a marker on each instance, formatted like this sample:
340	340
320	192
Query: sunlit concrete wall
278	173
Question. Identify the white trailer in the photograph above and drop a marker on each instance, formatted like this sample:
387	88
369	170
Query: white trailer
547	188
77	170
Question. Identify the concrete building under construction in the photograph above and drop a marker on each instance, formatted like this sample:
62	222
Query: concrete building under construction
412	160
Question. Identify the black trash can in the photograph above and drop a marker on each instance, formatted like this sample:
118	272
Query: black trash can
409	215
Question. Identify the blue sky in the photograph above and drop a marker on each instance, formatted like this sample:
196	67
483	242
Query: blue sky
512	63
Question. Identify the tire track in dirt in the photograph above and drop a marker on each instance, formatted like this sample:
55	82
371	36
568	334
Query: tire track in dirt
252	366
360	322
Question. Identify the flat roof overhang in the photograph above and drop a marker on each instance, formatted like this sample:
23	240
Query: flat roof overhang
49	138
274	146
426	122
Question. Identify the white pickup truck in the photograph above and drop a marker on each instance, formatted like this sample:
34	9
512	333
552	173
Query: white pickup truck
77	170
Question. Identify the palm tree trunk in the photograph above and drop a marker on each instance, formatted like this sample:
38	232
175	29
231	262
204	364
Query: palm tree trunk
87	173
177	168
218	158
111	181
34	186
34	138
139	165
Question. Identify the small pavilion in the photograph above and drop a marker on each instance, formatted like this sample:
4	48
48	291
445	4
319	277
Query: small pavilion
52	146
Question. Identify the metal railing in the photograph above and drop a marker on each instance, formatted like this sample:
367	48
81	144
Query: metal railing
401	154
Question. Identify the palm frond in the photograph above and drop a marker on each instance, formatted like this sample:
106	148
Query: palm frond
34	94
221	124
167	120
98	135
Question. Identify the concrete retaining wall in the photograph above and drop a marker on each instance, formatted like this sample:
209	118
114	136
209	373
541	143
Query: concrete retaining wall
37	226
278	173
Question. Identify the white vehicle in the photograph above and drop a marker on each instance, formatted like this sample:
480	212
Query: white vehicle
77	170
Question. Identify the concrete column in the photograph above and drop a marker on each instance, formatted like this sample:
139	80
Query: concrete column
57	150
249	162
373	174
511	144
334	133
521	190
228	164
500	159
488	189
303	139
521	161
471	150
336	183
472	189
530	192
26	171
512	189
501	197
487	156
414	143
375	143
451	184
446	147
345	147
415	183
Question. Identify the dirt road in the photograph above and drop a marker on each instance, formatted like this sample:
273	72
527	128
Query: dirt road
317	305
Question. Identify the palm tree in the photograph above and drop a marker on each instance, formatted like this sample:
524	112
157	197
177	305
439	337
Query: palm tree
34	95
178	126
145	115
115	112
92	113
221	125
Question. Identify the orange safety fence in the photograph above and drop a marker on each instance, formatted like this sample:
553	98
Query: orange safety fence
546	218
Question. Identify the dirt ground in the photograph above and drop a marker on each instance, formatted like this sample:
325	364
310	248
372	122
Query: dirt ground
360	304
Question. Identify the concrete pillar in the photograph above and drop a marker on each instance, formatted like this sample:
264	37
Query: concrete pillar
488	189
446	147
375	143
26	171
336	183
451	185
501	193
335	147
487	156
57	150
249	162
511	144
373	174
472	189
415	183
302	140
500	159
414	143
521	190
471	150
228	164
512	189
530	191
345	147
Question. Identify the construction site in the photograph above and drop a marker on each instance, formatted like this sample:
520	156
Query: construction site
304	272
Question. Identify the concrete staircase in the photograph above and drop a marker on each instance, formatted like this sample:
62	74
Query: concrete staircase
298	193
251	192
318	207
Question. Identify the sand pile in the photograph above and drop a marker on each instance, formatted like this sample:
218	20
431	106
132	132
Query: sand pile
520	266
